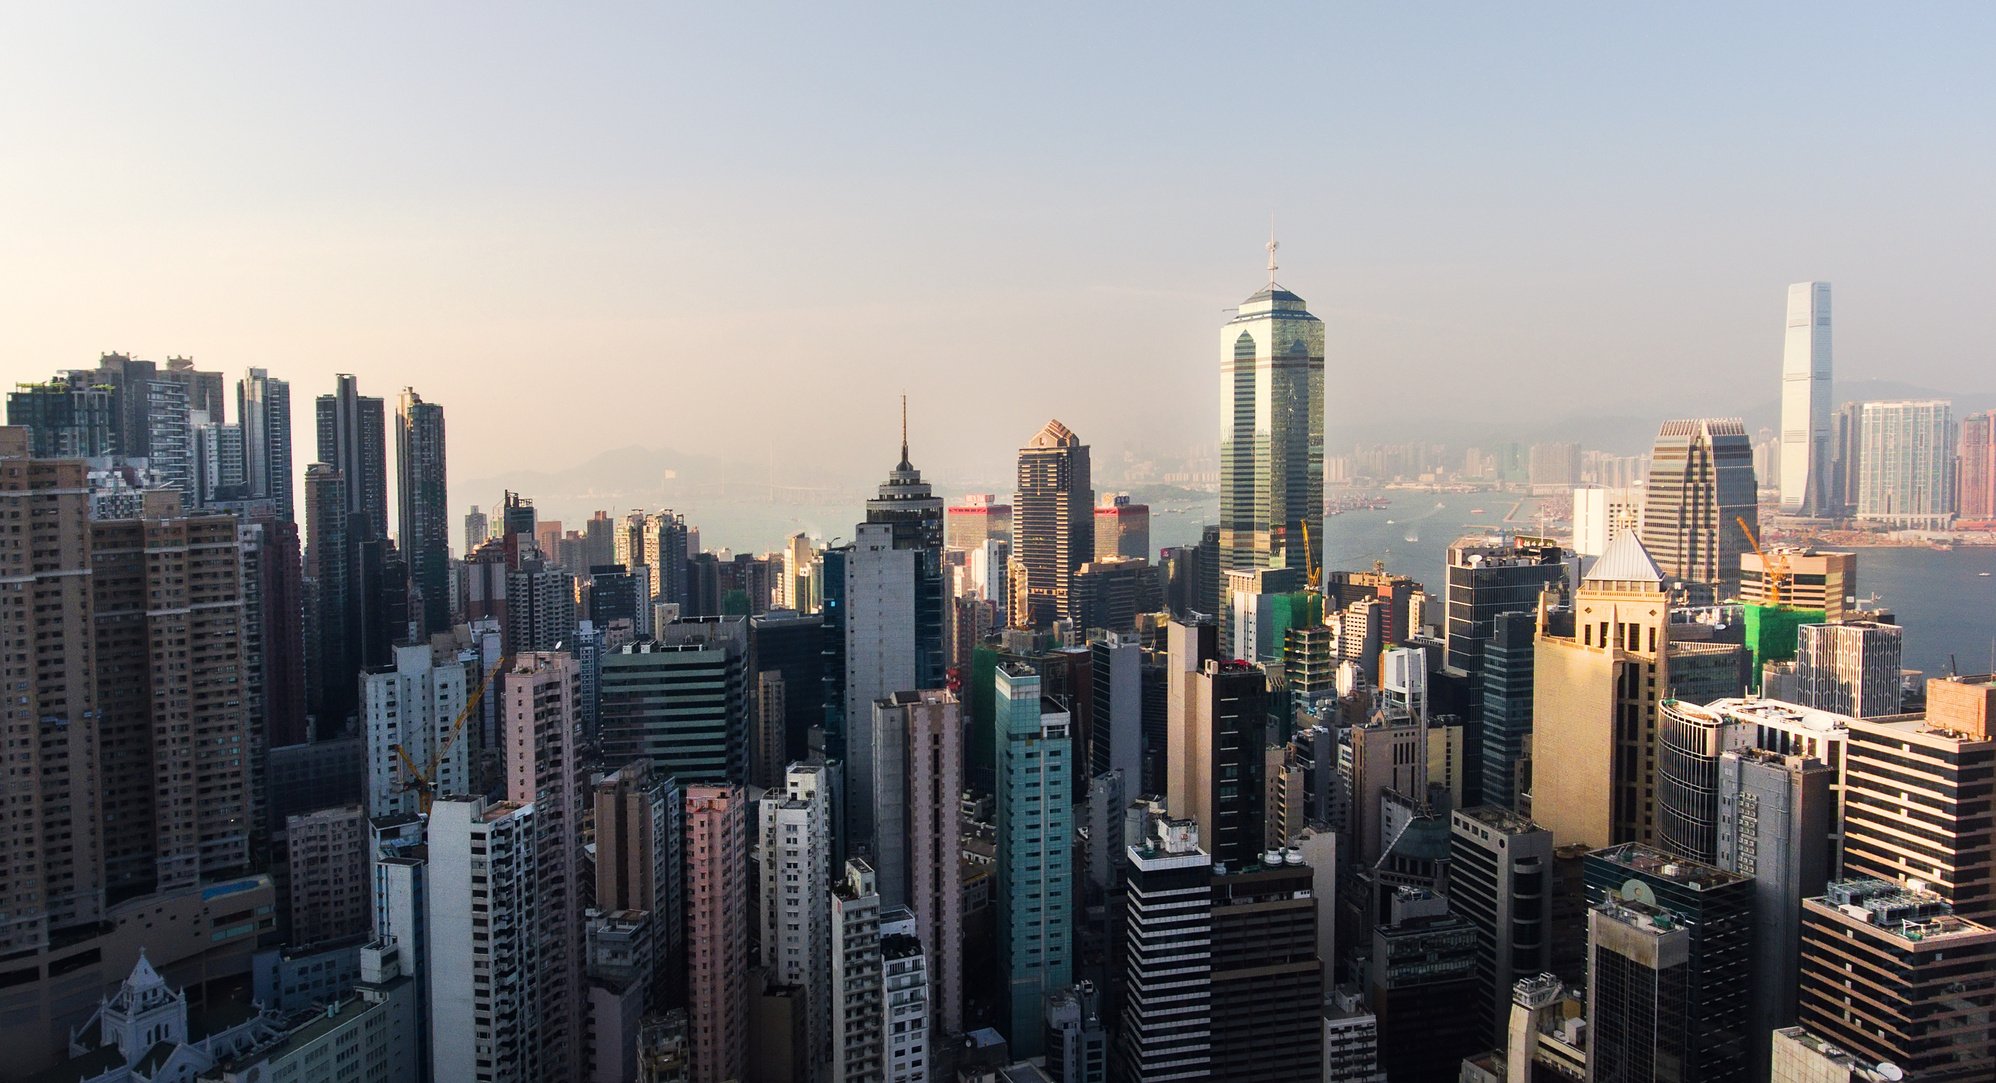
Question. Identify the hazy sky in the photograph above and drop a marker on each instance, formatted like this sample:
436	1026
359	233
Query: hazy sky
689	226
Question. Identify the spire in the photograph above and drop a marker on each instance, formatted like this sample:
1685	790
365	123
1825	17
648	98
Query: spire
1272	246
905	465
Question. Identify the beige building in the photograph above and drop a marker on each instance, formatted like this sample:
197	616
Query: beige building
51	841
174	728
1802	1057
1825	581
1596	687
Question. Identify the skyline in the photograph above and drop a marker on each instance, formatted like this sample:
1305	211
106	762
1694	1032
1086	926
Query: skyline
464	205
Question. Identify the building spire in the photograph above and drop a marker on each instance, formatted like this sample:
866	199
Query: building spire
1272	246
904	433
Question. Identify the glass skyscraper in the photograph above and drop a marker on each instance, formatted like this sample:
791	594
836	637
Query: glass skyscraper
1701	483
1035	865
1271	433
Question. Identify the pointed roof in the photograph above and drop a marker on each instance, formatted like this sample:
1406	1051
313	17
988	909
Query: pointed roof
1624	561
1054	434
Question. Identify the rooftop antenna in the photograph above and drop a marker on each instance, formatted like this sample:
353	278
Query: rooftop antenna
904	430
1272	246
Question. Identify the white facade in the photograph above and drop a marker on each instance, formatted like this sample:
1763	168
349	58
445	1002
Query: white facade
880	655
1804	460
858	1008
1601	515
793	857
1906	465
413	705
485	989
904	980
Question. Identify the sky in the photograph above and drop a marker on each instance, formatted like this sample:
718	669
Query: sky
747	229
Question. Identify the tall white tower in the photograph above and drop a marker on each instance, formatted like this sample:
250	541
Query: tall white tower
1805	401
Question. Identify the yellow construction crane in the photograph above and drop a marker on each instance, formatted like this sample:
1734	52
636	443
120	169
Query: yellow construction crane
1313	575
423	780
1774	570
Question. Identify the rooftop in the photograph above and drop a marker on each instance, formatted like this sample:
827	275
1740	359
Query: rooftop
1498	818
1625	561
1639	858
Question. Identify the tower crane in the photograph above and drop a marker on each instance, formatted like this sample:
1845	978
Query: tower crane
423	780
1313	574
1774	571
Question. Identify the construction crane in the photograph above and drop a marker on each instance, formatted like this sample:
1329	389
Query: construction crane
1774	571
1313	575
423	780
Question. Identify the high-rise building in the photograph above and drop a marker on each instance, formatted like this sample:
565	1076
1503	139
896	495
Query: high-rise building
1975	480
174	741
1601	515
331	670
875	608
1035	821
1775	825
487	996
1218	770
51	837
858	1011
907	1044
1893	973
1701	484
1122	528
477	529
1423	976
411	706
786	647
170	437
1807	440
1813	580
330	870
717	929
1690	740
69	417
263	409
680	700
1115	673
1166	1030
1508	663
977	519
1906	461
1704	1023
1850	668
540	607
1271	434
353	439
1914	804
1500	882
1267	976
1053	526
274	642
1553	466
425	521
905	504
1110	594
640	821
1591	783
935	870
793	856
1489	576
1077	1039
543	770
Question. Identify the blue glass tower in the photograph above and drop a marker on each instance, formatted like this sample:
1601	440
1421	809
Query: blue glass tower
1035	860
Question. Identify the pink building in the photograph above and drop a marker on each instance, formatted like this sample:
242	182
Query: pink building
935	868
717	928
537	723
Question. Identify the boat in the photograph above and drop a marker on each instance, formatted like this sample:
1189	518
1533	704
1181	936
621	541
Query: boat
1476	511
1984	575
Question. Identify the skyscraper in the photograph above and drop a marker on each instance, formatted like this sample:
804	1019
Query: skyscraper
793	857
477	529
1977	481
935	871
263	409
875	609
51	836
1850	668
1906	464
905	504
680	700
537	700
1035	891
717	929
1500	881
411	706
69	417
859	1031
425	522
1053	526
353	440
481	943
1705	1021
1806	437
1271	434
1217	772
1701	484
